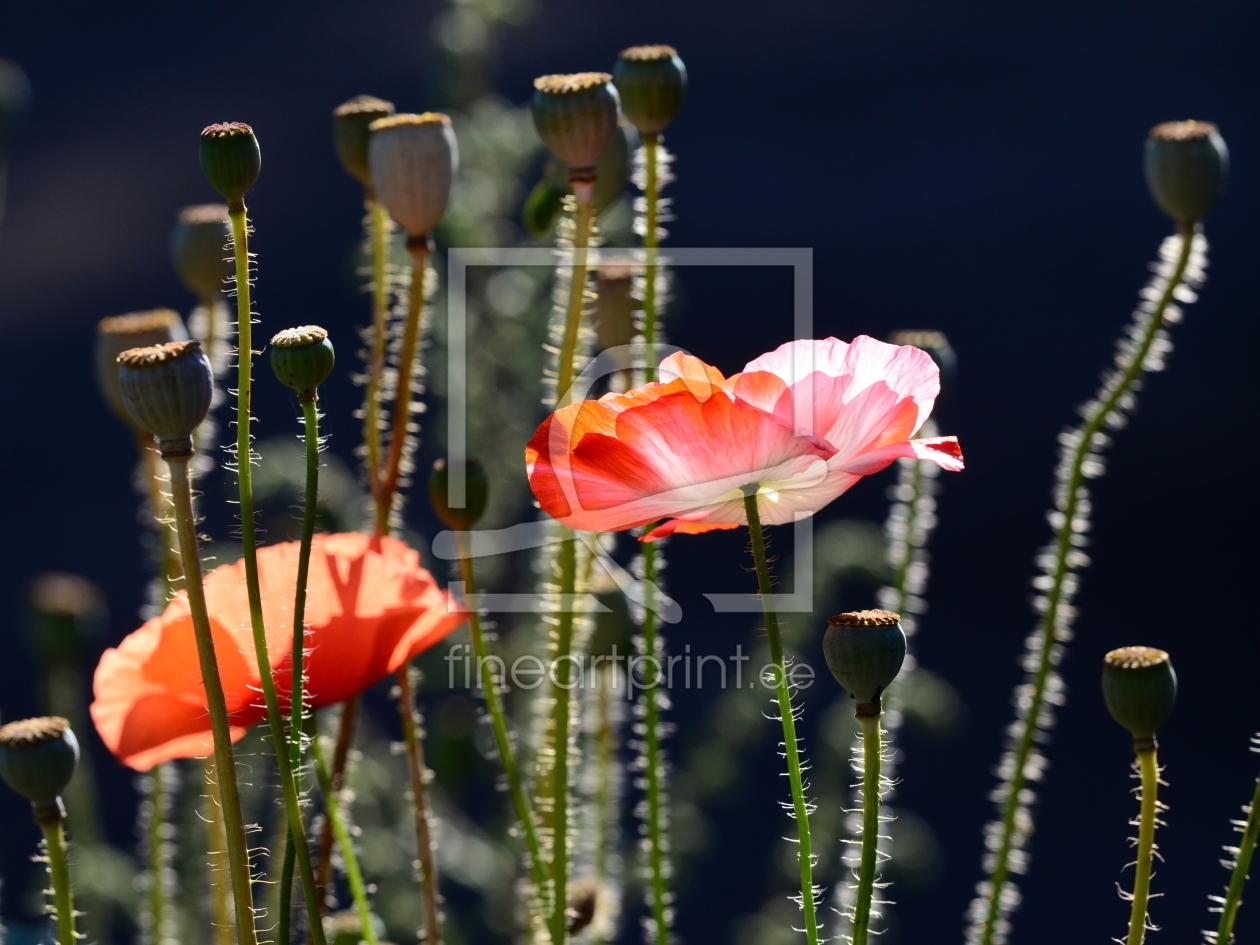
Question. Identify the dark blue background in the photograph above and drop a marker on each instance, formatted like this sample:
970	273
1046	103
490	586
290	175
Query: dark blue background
974	169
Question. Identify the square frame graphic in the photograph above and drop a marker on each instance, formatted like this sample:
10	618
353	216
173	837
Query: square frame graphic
518	537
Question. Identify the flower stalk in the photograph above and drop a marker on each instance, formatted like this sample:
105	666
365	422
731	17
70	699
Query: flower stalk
379	226
872	755
218	866
1148	771
787	714
1242	854
658	891
59	872
419	775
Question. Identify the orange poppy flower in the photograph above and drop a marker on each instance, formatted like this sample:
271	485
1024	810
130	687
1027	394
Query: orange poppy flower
370	608
804	422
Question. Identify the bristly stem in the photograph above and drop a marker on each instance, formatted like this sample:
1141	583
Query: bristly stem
577	297
59	872
659	891
168	564
1148	769
217	861
156	842
332	811
560	717
1044	657
498	722
872	756
379	226
245	358
786	713
341	753
297	699
216	705
387	477
1242	865
651	243
285	929
419	774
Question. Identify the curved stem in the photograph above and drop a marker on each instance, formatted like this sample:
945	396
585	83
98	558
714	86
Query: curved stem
651	241
378	223
1093	425
354	874
387	481
59	871
577	297
419	773
217	861
250	554
1242	865
1149	770
651	723
872	756
216	705
297	700
562	667
786	713
498	722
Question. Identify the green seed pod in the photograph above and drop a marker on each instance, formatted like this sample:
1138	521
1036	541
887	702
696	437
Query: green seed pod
864	651
1140	687
935	344
167	390
302	358
123	332
351	132
37	759
651	81
476	494
199	250
1186	164
576	117
230	159
413	159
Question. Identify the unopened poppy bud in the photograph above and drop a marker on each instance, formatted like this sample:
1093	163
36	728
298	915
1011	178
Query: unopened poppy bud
1186	164
1140	687
413	159
66	612
230	159
37	759
651	81
576	117
121	333
199	249
864	651
167	390
935	344
476	494
302	358
351	133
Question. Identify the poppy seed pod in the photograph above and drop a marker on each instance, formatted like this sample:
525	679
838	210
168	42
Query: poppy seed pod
1140	687
651	81
413	159
576	117
864	651
37	759
167	390
302	358
351	133
476	494
1186	164
123	332
199	250
230	159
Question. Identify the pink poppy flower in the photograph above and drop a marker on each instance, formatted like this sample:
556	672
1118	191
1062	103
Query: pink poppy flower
804	422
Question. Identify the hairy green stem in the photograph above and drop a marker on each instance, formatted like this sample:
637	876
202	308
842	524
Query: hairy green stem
1242	865
1093	425
310	417
388	477
651	242
157	891
341	754
419	775
651	721
217	861
279	738
791	749
1148	767
378	223
216	704
872	756
332	811
556	788
577	297
498	722
285	931
59	872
